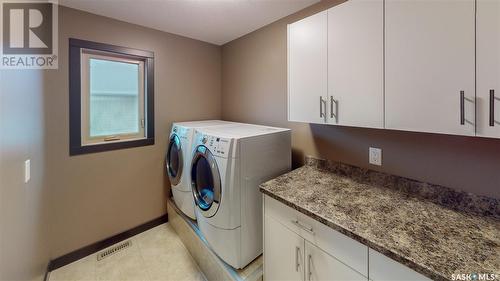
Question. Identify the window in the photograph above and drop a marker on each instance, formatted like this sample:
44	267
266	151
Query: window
111	97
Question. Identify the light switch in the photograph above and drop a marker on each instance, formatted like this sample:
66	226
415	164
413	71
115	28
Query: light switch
375	156
27	170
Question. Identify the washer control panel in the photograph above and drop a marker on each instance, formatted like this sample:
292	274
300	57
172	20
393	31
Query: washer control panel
181	132
217	145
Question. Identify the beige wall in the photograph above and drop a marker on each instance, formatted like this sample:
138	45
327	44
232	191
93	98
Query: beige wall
71	202
24	208
254	89
95	196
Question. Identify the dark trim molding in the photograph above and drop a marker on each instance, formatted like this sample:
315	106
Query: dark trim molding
110	146
110	48
98	246
75	137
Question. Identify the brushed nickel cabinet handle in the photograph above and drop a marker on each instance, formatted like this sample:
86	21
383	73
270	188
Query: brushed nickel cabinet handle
492	108
303	226
336	115
297	263
309	271
321	103
322	108
462	108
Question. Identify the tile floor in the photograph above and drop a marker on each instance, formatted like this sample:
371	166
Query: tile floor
156	254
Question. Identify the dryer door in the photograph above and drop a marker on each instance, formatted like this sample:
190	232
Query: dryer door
174	160
205	181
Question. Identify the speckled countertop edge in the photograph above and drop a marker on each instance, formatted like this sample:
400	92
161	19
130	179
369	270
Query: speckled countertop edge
491	210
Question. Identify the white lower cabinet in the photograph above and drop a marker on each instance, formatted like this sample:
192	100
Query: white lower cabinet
284	258
321	266
299	248
296	248
289	257
383	268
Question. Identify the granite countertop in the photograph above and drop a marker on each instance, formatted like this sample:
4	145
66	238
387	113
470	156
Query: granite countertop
428	228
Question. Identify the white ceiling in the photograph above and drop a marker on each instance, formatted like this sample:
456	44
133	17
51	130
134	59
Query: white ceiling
214	21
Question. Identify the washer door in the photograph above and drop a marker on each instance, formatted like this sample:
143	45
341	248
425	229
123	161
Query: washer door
205	181
174	160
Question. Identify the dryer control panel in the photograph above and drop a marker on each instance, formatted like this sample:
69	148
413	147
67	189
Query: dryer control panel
217	145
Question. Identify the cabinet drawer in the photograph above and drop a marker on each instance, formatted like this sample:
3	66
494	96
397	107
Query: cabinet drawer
293	219
383	268
343	248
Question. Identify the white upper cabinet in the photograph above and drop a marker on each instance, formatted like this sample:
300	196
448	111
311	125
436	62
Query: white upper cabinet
435	68
488	68
356	64
335	66
307	69
429	62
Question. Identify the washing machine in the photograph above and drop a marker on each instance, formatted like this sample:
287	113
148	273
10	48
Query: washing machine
229	163
178	160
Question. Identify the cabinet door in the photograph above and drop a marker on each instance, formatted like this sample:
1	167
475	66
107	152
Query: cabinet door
321	266
429	60
283	252
307	69
355	63
383	268
488	68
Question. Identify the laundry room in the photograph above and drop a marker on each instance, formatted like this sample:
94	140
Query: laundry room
249	140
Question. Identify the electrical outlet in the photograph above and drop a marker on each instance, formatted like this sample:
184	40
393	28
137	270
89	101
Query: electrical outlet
27	170
375	156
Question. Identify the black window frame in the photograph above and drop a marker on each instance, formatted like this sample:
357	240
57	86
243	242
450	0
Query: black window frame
75	123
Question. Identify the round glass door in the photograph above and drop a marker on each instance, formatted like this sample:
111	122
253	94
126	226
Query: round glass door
174	160
205	181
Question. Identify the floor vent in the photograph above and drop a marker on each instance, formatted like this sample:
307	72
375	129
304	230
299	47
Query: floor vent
113	250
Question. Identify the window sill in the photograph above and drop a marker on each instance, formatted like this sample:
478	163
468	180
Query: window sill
84	149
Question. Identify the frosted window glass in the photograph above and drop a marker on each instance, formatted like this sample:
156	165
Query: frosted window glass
114	98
